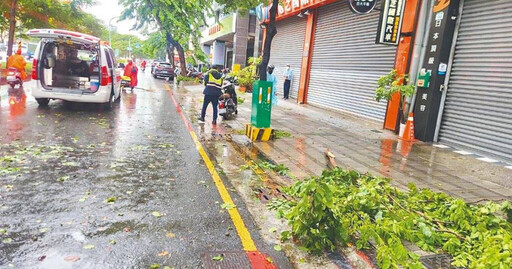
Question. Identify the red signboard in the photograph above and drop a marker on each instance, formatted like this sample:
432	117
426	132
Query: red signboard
288	8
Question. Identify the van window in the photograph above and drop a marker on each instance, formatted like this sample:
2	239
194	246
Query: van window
109	59
113	56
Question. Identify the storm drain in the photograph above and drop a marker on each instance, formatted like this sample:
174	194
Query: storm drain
267	194
437	261
226	260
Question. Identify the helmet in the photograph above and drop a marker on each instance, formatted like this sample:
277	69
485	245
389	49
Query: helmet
270	68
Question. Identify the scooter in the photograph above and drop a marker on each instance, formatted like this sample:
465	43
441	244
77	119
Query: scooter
14	77
228	100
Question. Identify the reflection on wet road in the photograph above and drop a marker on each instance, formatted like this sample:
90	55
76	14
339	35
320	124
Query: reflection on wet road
85	188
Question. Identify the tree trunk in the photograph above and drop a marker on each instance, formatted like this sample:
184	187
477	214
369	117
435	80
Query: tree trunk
270	33
181	54
170	54
12	27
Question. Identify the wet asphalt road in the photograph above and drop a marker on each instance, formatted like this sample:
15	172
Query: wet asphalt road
81	187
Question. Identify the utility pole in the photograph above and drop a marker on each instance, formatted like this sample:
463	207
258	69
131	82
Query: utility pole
12	27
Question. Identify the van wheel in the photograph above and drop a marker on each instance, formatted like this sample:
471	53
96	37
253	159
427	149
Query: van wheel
119	97
111	100
43	101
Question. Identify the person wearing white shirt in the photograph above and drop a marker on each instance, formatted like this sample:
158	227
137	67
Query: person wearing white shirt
288	76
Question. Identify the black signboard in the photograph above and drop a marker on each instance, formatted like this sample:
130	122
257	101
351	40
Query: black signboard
362	6
390	22
439	45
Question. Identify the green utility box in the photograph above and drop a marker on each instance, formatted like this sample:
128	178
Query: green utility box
261	104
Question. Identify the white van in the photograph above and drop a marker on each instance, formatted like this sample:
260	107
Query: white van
74	67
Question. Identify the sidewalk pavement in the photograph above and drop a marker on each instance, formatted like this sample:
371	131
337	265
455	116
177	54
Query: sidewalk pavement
363	145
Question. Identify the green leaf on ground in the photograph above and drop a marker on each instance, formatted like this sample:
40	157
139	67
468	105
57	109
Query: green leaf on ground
218	258
82	199
281	134
70	164
227	206
64	178
277	248
3	231
43	230
156	214
272	230
7	240
111	199
154	266
112	242
270	260
89	246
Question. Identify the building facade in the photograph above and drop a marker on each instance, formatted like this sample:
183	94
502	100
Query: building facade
230	38
463	45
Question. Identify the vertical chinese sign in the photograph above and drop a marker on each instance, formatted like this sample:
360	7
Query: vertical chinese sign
390	22
433	72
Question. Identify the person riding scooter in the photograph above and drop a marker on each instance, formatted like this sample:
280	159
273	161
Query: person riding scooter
18	61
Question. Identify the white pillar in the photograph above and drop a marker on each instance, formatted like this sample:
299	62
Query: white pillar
219	52
207	49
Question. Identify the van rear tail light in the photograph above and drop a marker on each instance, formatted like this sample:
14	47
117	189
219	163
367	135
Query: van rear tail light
34	69
104	76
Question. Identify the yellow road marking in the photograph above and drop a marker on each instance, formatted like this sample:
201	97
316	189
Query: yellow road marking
241	229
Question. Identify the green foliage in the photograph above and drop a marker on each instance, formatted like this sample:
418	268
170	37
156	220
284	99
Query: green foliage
122	41
392	83
344	206
240	100
181	78
52	14
281	134
248	74
278	168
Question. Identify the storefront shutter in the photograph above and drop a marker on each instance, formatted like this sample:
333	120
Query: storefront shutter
478	107
347	63
287	48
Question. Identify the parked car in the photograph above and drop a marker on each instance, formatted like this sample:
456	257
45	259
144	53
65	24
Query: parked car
74	67
163	69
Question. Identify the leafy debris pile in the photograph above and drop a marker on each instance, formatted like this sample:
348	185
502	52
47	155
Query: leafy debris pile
341	207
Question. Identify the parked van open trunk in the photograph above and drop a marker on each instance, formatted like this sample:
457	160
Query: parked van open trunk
69	65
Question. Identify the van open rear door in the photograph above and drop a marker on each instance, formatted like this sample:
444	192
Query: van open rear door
74	37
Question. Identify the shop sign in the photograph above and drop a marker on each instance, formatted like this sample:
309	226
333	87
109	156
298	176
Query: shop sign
390	23
432	75
289	7
362	6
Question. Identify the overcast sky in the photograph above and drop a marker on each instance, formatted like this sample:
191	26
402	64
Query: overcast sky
108	9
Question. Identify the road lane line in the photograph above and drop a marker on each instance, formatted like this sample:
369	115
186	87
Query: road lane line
243	232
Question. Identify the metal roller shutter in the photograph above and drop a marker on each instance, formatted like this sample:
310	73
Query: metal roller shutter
287	47
478	106
347	63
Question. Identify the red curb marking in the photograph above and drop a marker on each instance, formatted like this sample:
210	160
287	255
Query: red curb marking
259	260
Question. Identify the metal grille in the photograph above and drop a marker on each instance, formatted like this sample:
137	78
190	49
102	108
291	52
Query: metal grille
347	63
287	48
478	107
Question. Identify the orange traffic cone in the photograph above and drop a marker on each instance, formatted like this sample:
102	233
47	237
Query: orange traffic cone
408	135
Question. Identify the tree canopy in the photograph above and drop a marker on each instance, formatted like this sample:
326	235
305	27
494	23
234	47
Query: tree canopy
50	14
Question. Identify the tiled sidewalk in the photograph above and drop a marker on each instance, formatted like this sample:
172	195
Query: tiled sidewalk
362	145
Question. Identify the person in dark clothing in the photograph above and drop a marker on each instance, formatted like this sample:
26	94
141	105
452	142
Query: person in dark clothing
212	91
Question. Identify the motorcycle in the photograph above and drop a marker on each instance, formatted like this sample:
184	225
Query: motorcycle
228	103
14	77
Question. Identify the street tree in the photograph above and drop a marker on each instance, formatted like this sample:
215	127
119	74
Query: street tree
178	20
47	14
271	31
